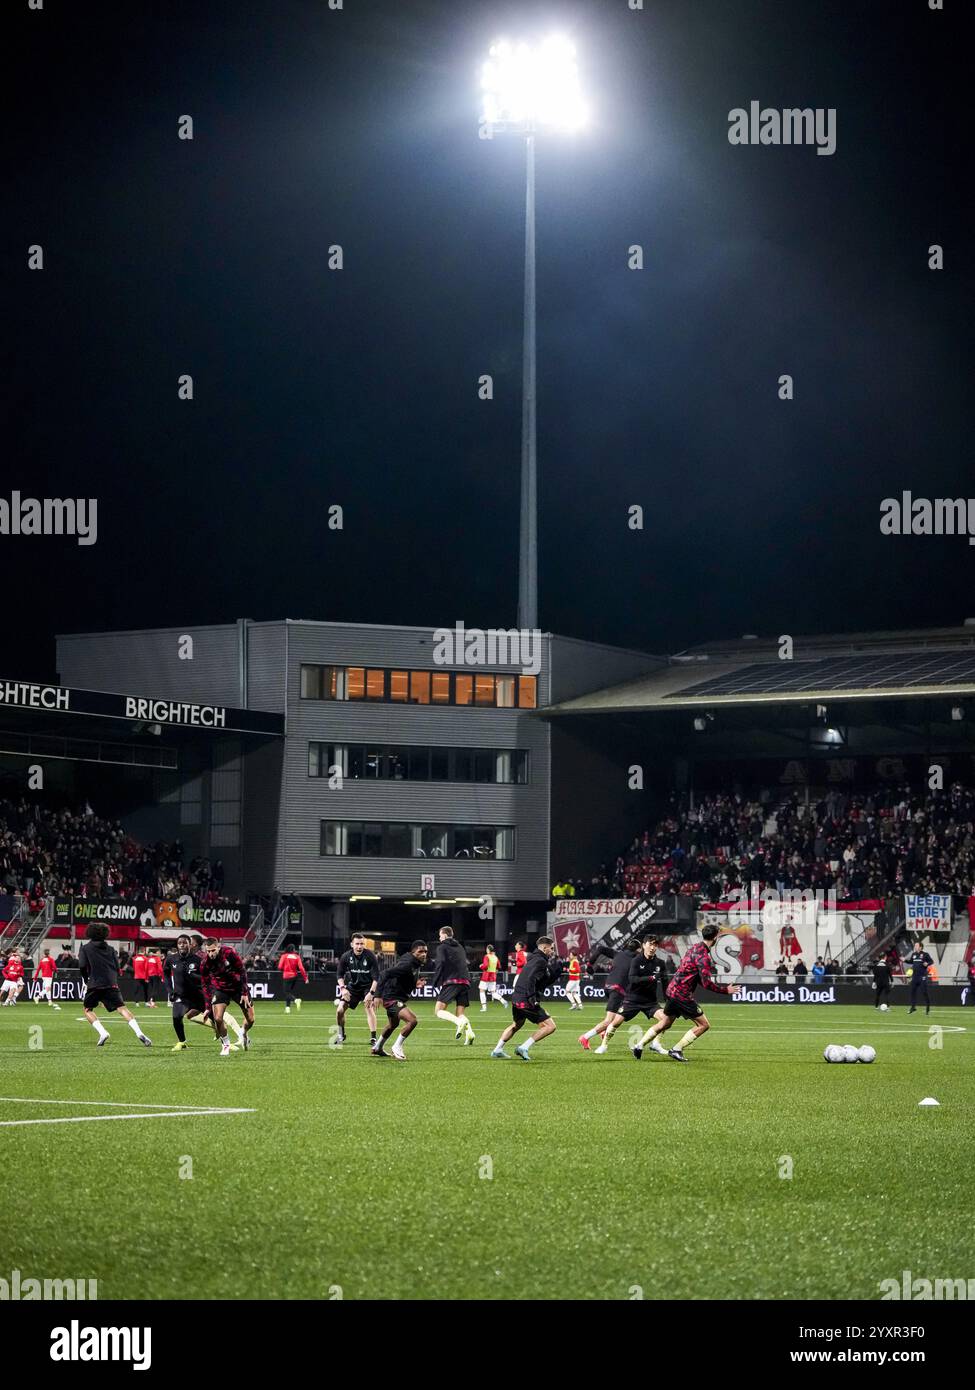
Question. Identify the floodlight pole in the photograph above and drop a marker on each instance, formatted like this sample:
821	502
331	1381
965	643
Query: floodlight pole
528	547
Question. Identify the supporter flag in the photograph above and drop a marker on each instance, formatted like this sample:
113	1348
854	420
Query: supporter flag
572	935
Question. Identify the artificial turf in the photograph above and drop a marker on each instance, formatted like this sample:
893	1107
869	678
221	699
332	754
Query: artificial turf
609	1178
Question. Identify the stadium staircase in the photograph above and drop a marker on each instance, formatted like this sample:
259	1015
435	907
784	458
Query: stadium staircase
30	930
266	936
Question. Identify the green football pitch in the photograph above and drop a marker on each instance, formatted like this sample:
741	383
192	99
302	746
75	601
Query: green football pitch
299	1170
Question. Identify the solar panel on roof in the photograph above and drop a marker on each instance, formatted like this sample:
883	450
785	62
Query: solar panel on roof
901	670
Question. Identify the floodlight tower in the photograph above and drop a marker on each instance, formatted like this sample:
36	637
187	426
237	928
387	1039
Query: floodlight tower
526	88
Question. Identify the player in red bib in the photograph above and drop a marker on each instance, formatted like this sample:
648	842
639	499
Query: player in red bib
45	972
154	972
520	956
573	985
13	978
291	966
140	970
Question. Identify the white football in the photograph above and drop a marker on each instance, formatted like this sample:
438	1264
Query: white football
850	1053
833	1053
883	1008
866	1053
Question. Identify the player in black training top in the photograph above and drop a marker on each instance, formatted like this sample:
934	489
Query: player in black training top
646	972
395	986
452	974
882	981
919	963
186	989
540	969
358	980
616	982
98	964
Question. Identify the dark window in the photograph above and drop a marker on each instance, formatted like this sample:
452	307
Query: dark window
463	842
483	766
372	839
396	841
439	765
419	764
463	765
397	764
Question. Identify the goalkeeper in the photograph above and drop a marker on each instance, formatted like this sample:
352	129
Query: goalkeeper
358	980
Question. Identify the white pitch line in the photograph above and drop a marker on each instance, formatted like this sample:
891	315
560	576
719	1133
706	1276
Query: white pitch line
144	1115
109	1104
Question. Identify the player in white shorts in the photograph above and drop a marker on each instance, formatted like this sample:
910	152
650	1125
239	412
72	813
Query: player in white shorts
573	985
46	970
13	978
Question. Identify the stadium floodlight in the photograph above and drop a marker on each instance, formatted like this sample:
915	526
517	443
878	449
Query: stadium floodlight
529	86
526	88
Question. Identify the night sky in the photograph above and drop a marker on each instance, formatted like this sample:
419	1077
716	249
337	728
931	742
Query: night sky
313	387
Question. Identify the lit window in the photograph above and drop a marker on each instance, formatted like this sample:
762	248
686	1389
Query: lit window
356	683
484	690
399	683
506	692
463	690
440	688
375	685
527	692
420	687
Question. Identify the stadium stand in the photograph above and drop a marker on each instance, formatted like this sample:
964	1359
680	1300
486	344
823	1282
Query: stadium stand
46	851
891	840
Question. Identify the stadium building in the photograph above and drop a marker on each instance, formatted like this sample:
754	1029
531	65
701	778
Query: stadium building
407	765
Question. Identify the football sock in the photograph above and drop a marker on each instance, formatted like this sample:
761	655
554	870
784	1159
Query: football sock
689	1037
134	1025
528	1044
179	1029
445	1013
593	1033
102	1032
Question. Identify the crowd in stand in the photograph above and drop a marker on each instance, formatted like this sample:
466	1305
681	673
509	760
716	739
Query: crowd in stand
46	852
860	846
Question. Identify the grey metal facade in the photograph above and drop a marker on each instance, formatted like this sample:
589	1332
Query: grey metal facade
258	665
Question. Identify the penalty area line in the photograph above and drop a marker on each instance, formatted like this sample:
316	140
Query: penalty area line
140	1115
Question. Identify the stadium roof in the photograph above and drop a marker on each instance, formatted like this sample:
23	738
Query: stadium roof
851	666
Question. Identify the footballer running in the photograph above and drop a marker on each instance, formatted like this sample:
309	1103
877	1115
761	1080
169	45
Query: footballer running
695	969
395	986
